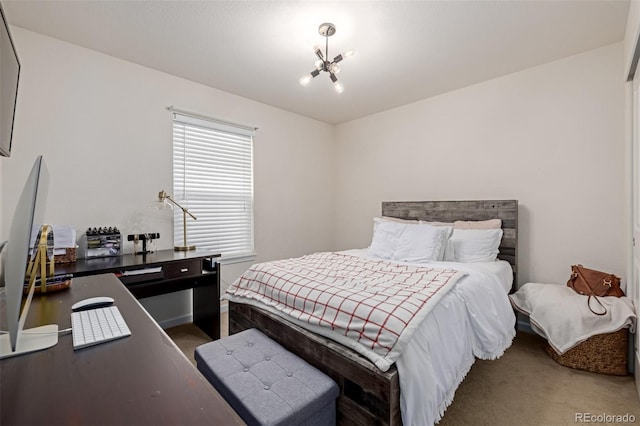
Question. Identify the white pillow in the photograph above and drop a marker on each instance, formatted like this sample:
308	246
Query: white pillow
445	234
408	242
420	243
473	245
386	234
447	229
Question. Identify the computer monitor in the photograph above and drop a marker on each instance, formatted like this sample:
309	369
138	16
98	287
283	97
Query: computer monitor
29	212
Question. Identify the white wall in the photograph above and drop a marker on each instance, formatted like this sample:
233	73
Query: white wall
551	137
103	128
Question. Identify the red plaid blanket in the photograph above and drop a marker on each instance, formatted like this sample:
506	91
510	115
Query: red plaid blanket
375	303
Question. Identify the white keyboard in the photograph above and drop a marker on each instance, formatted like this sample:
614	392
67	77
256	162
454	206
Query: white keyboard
95	326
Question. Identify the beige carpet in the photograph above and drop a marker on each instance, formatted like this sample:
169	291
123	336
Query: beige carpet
523	387
188	337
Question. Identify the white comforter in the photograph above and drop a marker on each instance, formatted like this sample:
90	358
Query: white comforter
474	319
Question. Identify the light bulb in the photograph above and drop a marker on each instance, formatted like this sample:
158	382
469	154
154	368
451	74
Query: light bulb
338	87
348	53
305	80
334	68
318	64
161	205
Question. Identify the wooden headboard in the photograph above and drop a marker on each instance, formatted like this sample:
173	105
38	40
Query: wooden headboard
449	211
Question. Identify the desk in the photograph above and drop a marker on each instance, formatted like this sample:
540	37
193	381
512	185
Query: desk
143	379
178	271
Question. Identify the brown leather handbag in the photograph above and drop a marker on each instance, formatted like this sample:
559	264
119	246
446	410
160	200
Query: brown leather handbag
594	283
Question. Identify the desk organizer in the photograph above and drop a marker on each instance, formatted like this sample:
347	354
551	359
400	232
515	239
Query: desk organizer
103	242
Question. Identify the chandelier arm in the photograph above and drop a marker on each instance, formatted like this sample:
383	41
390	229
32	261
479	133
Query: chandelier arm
326	48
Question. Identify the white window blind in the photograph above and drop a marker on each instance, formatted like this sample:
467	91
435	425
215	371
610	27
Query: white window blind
213	178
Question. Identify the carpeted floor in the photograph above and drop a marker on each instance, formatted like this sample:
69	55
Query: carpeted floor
523	387
188	337
526	387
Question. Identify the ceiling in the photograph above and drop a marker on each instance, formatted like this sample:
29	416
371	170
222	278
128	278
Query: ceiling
405	50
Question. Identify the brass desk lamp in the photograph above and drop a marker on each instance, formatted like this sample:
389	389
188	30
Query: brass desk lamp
162	198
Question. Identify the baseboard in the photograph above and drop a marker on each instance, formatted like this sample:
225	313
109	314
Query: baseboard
175	321
187	318
523	324
637	372
632	354
525	327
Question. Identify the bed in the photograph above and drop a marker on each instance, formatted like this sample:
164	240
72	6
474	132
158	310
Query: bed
369	395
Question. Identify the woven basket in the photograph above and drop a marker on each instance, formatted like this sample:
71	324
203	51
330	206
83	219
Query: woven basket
602	353
68	257
52	286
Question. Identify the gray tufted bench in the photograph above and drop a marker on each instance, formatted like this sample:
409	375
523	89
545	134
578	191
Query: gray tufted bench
265	383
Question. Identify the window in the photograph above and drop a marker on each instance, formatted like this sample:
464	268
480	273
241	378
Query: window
213	178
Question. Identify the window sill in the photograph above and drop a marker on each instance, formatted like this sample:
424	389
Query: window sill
240	259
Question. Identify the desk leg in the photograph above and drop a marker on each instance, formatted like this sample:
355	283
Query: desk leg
206	304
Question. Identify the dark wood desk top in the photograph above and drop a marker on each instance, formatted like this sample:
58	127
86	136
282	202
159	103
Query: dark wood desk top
103	265
143	379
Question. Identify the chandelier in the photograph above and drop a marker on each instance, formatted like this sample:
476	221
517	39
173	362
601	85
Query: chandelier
323	64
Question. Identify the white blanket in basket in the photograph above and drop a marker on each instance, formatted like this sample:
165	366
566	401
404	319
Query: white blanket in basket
562	316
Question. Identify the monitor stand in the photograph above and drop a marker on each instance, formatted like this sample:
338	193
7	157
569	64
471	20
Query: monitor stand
30	340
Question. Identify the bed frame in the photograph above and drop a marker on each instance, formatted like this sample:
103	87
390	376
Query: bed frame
369	396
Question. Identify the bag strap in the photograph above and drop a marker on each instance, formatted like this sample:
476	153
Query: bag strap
579	272
599	302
